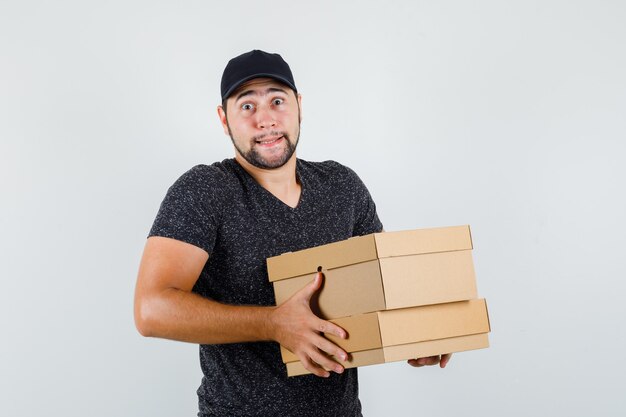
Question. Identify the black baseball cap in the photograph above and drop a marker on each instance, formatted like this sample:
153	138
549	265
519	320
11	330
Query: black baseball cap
255	64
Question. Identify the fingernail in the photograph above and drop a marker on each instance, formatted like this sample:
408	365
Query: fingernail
339	369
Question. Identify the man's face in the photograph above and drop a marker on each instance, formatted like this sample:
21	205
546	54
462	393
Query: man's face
262	119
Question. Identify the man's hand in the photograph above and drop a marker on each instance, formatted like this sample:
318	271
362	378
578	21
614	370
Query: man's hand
301	331
431	360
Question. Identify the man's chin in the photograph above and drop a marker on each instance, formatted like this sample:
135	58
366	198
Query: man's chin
269	164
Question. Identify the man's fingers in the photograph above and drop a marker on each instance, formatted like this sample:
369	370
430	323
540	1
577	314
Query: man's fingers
328	327
431	360
314	368
427	361
419	362
445	359
414	363
330	348
323	360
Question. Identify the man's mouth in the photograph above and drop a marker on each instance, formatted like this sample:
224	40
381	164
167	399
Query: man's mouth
269	141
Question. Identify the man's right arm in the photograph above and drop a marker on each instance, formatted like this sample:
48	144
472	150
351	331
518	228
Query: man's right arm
166	307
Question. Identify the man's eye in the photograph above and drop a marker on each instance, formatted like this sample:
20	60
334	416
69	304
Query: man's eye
247	106
278	101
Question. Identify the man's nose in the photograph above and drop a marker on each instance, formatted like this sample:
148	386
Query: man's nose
265	119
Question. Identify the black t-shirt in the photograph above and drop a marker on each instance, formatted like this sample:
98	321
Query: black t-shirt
223	210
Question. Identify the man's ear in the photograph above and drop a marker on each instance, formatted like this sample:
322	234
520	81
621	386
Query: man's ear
222	115
300	105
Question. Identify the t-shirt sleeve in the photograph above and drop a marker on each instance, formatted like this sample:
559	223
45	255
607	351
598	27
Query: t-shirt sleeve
366	218
190	210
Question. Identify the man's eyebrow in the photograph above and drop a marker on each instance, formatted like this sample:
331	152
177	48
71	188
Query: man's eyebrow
276	90
254	92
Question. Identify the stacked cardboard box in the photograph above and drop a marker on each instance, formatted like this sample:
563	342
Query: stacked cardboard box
398	295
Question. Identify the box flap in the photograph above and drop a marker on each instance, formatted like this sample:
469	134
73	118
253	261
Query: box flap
438	321
415	242
333	255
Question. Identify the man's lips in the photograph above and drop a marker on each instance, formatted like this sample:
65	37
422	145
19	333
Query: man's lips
269	141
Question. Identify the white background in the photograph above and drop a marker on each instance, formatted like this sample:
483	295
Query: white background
508	116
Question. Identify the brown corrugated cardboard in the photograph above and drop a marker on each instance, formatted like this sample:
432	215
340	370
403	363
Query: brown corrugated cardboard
346	291
428	279
409	333
399	295
381	271
438	321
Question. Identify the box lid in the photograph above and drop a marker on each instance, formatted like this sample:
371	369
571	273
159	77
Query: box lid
420	241
437	321
367	248
333	255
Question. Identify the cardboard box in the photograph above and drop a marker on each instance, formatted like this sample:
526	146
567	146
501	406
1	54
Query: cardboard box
381	271
394	335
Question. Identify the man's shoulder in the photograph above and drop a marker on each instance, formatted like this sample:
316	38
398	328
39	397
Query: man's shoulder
202	176
330	169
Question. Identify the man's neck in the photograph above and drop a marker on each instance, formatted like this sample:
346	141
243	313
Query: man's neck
281	182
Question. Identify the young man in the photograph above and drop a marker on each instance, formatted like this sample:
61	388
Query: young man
203	275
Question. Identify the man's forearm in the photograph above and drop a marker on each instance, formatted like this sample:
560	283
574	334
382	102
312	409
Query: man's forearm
185	316
179	314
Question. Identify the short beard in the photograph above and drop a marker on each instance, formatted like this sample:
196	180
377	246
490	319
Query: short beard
255	159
